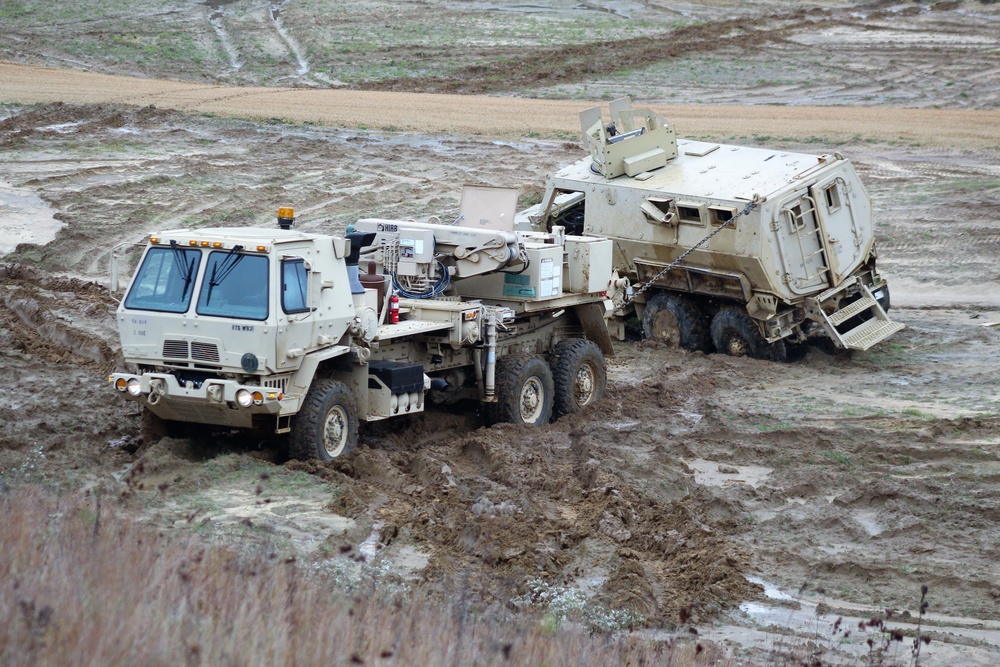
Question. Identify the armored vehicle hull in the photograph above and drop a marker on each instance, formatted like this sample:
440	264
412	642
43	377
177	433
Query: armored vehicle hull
735	248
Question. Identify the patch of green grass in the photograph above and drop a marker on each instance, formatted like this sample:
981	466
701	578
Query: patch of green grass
914	412
887	353
775	425
13	10
838	457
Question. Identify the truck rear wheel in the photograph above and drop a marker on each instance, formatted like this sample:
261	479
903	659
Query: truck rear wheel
580	375
524	391
735	333
327	425
675	321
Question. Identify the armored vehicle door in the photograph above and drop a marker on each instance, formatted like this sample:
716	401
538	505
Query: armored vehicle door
841	229
799	235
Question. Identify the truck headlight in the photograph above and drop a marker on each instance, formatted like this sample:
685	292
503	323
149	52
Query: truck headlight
134	387
244	398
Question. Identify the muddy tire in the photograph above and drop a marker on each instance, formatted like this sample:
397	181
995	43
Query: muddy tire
579	374
677	322
327	425
735	333
883	300
524	391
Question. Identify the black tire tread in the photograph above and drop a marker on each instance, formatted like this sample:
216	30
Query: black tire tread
512	371
691	321
304	443
567	358
733	320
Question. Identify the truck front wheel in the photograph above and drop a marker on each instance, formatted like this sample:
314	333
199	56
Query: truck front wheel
735	333
580	375
524	391
676	322
327	425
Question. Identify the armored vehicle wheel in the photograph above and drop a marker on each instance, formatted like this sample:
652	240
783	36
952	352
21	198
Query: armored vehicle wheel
327	425
524	391
736	334
883	297
579	373
676	321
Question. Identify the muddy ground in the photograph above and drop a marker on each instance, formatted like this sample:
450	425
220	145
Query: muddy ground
766	500
699	480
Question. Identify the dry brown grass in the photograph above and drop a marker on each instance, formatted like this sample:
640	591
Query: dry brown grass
86	585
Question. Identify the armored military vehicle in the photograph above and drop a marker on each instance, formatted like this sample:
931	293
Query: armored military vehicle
279	330
741	250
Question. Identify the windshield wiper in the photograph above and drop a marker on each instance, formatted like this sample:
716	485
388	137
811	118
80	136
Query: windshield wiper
222	270
186	269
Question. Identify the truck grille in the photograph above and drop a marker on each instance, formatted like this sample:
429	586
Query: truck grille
280	383
178	349
205	352
175	349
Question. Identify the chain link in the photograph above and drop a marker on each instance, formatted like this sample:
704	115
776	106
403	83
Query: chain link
751	205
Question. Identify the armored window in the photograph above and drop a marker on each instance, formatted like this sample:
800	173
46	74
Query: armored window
294	286
720	215
165	281
832	195
235	285
659	210
690	214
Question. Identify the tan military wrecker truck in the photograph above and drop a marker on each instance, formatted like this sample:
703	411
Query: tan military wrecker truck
278	330
735	249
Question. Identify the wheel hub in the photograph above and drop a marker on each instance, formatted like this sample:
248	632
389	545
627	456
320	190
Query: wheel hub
531	400
666	328
335	431
737	347
585	384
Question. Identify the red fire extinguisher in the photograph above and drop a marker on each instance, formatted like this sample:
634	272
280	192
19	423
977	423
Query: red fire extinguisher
394	309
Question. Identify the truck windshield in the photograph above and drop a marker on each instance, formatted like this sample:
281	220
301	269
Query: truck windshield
165	281
235	285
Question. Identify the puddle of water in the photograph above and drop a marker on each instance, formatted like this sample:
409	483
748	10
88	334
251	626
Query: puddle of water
24	218
712	473
767	625
61	128
852	36
869	522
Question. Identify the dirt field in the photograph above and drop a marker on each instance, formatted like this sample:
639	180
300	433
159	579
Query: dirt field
766	500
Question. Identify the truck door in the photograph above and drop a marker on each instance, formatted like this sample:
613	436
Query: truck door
295	320
799	234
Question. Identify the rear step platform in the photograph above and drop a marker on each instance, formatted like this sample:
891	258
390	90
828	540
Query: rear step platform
873	329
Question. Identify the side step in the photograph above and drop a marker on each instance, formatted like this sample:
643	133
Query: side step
876	328
870	333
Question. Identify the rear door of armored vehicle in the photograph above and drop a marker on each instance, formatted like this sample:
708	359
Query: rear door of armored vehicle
817	236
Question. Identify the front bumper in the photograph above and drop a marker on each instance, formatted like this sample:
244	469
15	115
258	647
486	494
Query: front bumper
215	401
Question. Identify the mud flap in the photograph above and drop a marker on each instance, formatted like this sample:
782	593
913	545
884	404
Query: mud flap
591	316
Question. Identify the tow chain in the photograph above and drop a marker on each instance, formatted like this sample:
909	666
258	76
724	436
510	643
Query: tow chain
751	205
